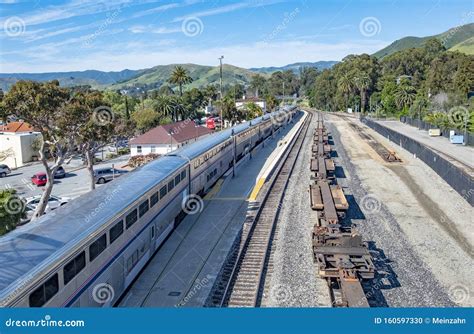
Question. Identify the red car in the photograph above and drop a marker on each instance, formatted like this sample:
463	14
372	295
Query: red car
39	179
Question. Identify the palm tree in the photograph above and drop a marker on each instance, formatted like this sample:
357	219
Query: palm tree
252	111
165	106
180	77
346	86
404	95
363	82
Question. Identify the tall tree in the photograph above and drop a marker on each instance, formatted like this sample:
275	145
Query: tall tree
180	77
257	84
43	106
362	82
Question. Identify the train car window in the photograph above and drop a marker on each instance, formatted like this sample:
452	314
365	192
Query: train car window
170	185
183	174
131	218
177	179
154	199
74	267
97	247
45	292
163	192
116	231
143	208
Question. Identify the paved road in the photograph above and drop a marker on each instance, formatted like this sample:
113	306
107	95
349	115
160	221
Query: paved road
73	185
464	154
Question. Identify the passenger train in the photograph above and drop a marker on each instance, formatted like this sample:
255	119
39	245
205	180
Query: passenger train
104	238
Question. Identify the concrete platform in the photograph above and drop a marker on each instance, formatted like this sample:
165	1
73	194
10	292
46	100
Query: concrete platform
183	271
463	154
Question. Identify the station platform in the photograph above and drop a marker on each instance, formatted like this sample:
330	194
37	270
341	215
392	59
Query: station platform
460	153
184	269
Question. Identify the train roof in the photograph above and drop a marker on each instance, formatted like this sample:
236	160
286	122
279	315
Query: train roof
194	150
23	250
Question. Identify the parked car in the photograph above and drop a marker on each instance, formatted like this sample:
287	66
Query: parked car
54	202
29	210
60	173
39	179
102	175
4	170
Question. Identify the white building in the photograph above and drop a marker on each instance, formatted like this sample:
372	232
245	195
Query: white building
166	138
259	102
16	139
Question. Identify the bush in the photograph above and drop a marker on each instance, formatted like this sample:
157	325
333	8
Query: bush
140	160
123	150
11	210
109	156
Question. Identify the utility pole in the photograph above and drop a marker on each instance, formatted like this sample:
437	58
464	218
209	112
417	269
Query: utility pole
220	62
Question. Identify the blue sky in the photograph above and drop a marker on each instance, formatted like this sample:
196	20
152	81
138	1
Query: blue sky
44	36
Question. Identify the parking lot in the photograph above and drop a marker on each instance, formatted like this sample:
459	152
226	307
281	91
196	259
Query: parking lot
75	184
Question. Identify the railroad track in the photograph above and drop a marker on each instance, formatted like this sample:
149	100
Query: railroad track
245	282
339	251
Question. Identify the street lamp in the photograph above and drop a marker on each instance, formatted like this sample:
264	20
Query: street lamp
171	133
220	62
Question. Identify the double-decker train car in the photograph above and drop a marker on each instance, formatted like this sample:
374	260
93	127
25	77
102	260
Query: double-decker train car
103	239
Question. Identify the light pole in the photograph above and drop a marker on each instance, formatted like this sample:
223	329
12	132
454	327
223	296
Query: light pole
171	133
220	62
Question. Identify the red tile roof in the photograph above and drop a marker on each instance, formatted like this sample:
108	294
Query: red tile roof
181	132
16	127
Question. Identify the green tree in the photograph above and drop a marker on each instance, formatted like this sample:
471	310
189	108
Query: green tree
363	82
252	111
258	84
180	77
405	94
271	102
43	106
11	210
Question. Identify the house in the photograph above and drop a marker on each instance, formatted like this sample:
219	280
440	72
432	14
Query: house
16	143
166	138
259	102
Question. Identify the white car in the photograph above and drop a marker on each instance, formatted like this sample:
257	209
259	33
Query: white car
32	202
54	202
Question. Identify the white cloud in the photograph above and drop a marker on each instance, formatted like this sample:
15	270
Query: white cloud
244	55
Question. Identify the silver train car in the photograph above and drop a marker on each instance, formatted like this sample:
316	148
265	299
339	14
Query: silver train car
103	239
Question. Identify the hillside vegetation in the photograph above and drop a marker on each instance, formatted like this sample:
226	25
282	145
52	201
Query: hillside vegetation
453	40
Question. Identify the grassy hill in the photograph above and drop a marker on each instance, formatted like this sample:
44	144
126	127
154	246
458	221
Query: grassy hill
453	39
202	76
90	77
466	46
296	66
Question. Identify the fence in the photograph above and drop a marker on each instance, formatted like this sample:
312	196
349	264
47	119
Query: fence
444	132
456	177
